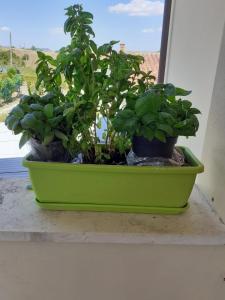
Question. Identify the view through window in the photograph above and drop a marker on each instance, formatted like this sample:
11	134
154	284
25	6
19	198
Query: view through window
26	27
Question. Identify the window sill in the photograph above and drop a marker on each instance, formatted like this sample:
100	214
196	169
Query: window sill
22	220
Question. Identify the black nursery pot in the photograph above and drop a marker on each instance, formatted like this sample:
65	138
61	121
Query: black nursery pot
142	147
53	152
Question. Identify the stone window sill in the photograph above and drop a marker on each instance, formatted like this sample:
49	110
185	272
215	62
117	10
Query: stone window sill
22	220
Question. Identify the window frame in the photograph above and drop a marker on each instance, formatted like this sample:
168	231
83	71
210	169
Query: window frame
164	40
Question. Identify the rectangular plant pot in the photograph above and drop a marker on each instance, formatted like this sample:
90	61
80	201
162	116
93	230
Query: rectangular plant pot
146	189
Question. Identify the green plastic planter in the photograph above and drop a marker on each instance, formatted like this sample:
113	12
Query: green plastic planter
63	186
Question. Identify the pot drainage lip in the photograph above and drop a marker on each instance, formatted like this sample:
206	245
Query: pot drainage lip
111	208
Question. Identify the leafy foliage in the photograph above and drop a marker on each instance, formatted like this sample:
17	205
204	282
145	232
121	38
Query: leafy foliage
98	81
6	89
40	118
9	85
11	72
158	113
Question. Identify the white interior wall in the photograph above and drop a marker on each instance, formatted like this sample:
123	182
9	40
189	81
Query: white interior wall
212	182
194	44
110	272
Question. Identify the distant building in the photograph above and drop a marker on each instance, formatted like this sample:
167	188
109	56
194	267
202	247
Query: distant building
151	60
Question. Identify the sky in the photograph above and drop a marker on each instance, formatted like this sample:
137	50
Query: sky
137	23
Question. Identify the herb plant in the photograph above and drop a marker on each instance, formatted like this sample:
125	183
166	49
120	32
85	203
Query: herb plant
40	118
89	84
158	113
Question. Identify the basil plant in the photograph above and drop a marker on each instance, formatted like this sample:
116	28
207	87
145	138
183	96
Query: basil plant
158	113
88	85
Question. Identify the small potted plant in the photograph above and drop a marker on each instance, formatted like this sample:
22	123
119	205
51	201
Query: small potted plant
40	120
93	104
155	120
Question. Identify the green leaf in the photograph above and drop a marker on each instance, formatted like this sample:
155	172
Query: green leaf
87	14
125	121
89	30
55	121
167	128
187	104
48	138
181	124
104	135
160	136
38	115
69	110
17	111
25	99
114	42
104	49
195	121
58	79
99	124
194	110
58	110
41	55
166	116
15	124
17	129
24	139
48	110
10	121
148	133
150	103
182	92
67	25
29	121
170	90
60	135
148	118
36	106
48	98
51	60
93	46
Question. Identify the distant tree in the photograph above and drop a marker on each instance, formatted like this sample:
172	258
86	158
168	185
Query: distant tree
33	48
6	89
10	85
11	72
